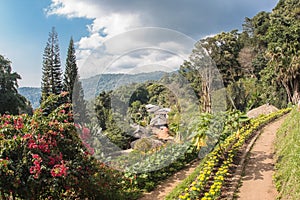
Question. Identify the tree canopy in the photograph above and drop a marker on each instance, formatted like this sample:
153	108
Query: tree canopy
52	74
10	101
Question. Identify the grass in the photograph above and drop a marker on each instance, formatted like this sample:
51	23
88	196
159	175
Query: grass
287	168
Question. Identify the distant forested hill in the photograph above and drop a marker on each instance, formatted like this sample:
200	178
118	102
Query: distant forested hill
105	82
95	85
33	94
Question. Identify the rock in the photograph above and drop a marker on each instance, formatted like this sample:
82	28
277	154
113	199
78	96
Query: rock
261	110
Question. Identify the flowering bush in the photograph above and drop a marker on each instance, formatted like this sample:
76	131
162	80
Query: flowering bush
42	157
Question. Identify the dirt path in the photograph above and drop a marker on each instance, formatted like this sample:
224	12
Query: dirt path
257	179
168	185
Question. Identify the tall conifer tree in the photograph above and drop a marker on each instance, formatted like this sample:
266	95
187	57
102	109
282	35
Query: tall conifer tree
52	75
73	85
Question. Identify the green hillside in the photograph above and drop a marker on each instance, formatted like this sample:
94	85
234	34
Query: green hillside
93	86
287	174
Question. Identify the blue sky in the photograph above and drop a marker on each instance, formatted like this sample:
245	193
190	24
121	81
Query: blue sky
25	24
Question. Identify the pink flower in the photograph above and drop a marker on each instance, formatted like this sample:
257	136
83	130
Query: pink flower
36	156
27	135
59	170
36	168
85	131
86	134
18	124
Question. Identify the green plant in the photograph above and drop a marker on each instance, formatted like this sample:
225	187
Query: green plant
287	148
42	157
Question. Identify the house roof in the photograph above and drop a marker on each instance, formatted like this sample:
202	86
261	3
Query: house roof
152	108
158	121
162	111
140	132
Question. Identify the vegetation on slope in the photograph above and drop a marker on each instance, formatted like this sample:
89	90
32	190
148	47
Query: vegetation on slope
287	174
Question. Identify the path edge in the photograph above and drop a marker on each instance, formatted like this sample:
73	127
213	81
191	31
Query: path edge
237	176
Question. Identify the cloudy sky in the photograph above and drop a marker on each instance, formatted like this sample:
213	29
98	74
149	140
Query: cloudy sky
111	35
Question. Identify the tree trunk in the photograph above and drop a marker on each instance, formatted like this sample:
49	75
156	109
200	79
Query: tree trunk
296	92
206	99
288	92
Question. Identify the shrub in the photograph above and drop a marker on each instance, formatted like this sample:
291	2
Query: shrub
42	157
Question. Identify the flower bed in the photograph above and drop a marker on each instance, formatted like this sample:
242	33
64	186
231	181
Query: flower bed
209	182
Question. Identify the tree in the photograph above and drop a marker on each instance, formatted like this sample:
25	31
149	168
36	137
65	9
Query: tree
103	109
10	101
252	56
224	49
73	85
284	47
52	75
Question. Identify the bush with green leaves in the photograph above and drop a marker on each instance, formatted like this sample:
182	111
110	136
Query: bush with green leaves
43	157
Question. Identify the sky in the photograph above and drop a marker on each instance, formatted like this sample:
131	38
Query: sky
115	36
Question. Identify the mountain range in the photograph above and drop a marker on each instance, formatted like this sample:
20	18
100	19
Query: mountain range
93	86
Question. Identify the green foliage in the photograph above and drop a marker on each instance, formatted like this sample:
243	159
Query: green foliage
270	90
213	172
144	144
245	94
284	47
153	161
72	85
52	75
103	109
109	121
224	49
10	100
106	82
43	158
287	148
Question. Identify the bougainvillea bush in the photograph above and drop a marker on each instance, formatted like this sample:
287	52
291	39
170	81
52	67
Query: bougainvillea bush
43	157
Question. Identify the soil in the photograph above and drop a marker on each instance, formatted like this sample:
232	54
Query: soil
162	190
257	180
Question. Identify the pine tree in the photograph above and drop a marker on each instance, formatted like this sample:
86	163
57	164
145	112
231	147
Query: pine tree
52	75
73	85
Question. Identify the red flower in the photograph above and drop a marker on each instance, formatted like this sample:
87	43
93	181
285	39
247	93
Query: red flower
36	156
36	168
27	135
55	159
59	170
18	123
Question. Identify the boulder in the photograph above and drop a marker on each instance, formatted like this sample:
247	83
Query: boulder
261	110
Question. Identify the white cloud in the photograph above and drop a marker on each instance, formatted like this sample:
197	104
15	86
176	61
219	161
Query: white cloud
74	8
113	34
105	24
